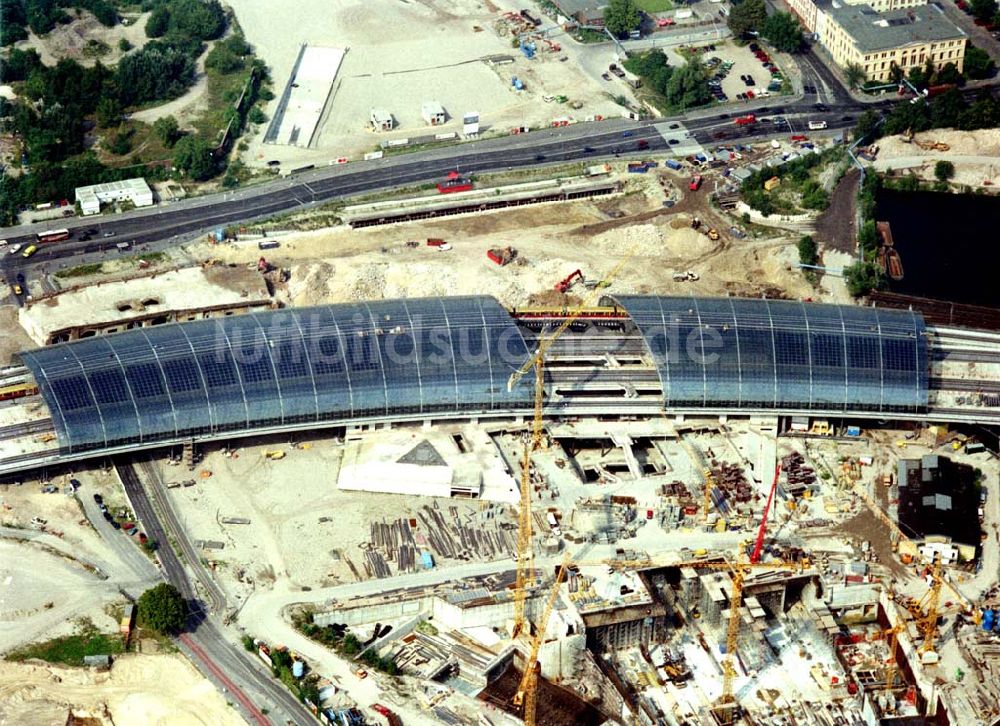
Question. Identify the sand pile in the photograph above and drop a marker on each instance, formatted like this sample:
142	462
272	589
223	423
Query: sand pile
984	142
141	689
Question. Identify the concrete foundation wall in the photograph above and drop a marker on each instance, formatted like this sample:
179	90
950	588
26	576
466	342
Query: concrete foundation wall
376	613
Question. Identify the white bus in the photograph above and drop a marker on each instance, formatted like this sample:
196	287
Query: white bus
817	125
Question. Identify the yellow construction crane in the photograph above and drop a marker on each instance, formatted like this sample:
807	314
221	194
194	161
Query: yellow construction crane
926	611
527	689
727	701
525	551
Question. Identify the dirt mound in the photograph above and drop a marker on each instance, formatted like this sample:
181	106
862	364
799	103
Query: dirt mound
144	689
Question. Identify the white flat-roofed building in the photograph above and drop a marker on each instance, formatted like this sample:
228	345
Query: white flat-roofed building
381	120
135	190
433	113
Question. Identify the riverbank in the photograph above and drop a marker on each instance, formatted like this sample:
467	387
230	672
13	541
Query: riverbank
974	154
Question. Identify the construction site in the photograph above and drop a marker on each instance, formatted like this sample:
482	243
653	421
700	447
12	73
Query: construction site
517	450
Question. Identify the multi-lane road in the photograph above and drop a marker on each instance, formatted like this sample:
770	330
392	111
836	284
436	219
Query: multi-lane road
170	224
231	668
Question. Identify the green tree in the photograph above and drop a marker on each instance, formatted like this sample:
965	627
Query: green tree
201	19
783	31
868	236
984	113
949	73
652	67
983	9
12	22
156	72
866	126
621	16
256	115
978	63
109	112
158	22
855	75
167	130
688	86
746	16
193	155
163	609
862	278
947	108
944	170
120	142
808	250
905	116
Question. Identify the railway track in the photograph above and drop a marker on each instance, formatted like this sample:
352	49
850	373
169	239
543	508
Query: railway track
962	384
22	429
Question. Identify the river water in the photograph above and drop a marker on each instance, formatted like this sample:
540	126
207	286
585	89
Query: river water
949	244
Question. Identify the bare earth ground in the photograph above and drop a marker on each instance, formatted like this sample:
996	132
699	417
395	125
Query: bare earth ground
340	264
14	338
835	227
160	690
976	155
400	55
68	41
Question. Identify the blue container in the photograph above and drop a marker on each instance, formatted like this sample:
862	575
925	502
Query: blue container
298	668
674	164
220	234
427	559
988	620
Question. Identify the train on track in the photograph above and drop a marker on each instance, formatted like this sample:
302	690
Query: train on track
18	390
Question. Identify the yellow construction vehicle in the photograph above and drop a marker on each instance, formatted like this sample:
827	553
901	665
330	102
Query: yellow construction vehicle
274	455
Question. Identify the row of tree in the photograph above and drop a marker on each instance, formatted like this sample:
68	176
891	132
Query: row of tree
781	30
948	110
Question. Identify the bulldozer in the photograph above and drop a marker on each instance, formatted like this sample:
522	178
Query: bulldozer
932	145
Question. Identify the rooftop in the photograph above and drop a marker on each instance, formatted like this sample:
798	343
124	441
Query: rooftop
188	288
938	497
874	31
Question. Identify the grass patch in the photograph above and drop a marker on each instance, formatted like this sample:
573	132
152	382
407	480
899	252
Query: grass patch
94	268
654	6
150	257
223	90
589	35
71	649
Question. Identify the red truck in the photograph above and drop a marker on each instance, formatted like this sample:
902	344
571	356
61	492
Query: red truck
695	184
746	120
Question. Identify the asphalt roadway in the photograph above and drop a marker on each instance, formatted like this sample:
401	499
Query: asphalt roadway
171	224
232	669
